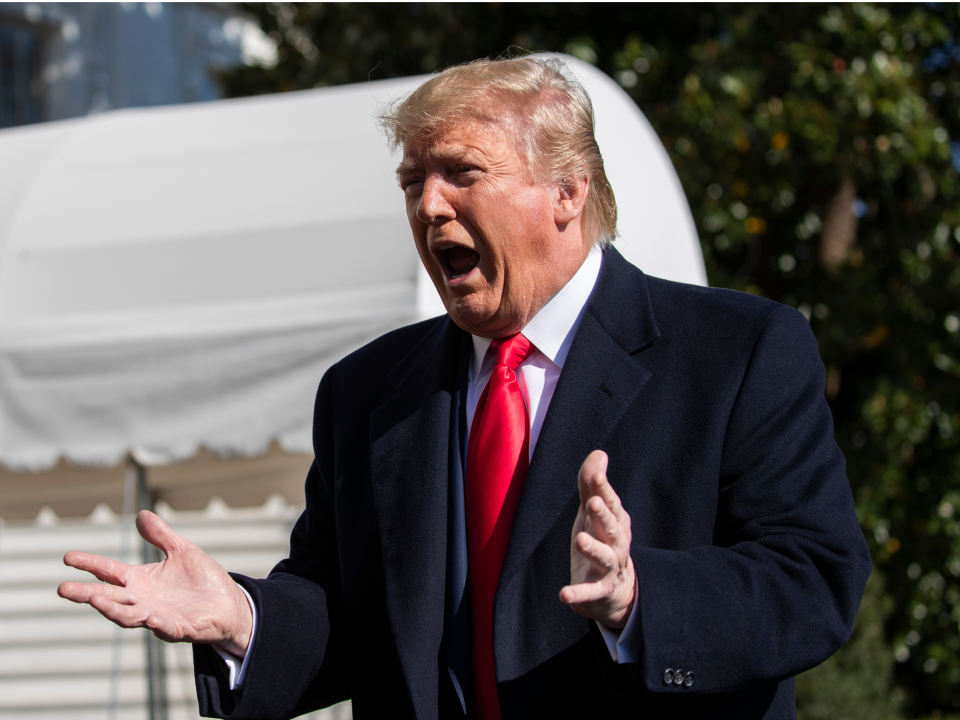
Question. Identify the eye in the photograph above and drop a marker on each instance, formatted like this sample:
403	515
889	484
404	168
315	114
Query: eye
464	172
410	183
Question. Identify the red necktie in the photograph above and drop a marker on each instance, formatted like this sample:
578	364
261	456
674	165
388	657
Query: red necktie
498	457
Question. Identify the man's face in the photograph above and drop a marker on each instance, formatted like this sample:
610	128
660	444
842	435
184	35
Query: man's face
486	230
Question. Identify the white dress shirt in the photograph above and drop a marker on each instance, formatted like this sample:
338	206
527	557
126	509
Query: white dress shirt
237	668
551	331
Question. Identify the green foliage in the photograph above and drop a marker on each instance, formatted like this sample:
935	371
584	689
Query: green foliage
781	120
857	682
772	141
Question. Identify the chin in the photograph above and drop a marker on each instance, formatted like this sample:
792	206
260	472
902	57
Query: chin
468	314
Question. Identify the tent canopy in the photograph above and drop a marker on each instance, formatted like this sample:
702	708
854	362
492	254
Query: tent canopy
182	276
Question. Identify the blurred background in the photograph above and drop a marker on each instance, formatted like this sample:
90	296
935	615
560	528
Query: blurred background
819	150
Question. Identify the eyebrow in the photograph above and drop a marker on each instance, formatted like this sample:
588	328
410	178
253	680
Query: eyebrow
407	166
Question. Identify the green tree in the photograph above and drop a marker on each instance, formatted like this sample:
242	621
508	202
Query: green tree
852	685
821	176
817	146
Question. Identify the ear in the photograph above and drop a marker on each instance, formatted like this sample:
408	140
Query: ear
571	199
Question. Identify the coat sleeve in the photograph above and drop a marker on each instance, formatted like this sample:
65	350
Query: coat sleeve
777	591
298	660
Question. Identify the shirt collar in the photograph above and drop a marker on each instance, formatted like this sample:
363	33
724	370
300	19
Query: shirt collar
553	328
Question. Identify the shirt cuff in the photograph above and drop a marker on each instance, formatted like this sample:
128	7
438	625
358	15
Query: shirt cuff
236	667
623	644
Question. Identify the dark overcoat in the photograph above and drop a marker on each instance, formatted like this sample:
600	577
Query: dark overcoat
749	557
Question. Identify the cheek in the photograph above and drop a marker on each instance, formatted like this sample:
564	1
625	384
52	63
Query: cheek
411	208
534	211
532	235
417	228
505	221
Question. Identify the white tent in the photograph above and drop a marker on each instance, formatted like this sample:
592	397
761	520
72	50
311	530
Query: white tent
173	284
179	277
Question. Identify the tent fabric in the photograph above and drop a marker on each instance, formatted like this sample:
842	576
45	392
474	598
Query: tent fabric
179	277
71	492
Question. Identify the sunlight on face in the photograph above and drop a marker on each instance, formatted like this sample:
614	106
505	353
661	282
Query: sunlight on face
487	233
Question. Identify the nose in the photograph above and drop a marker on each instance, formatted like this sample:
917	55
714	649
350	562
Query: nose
434	204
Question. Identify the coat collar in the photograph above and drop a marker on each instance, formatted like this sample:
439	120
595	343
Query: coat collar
621	304
430	353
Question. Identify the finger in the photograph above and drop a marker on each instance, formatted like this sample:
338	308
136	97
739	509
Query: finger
599	486
155	531
103	568
604	523
126	616
160	627
583	593
83	592
595	464
601	556
163	628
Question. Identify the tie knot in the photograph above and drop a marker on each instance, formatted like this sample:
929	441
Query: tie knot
513	350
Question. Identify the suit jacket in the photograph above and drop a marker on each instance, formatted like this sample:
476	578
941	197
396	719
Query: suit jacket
749	557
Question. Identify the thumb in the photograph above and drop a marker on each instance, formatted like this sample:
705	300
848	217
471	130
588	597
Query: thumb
155	531
162	628
595	464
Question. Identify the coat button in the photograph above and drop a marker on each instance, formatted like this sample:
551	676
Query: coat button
668	676
678	678
688	680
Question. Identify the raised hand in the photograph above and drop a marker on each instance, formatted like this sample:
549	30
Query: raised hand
602	579
187	597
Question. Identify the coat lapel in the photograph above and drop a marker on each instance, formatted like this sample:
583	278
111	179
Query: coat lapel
601	378
410	456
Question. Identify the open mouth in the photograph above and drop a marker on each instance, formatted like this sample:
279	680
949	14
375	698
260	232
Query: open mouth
458	261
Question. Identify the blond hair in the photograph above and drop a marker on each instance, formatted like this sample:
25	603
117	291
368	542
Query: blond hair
554	117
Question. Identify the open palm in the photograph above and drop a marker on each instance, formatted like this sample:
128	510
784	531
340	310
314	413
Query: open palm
186	597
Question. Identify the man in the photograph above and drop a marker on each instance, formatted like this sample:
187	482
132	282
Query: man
584	492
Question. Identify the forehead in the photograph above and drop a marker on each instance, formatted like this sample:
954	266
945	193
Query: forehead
492	139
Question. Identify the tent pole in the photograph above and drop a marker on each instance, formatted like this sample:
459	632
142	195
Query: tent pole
126	524
156	675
